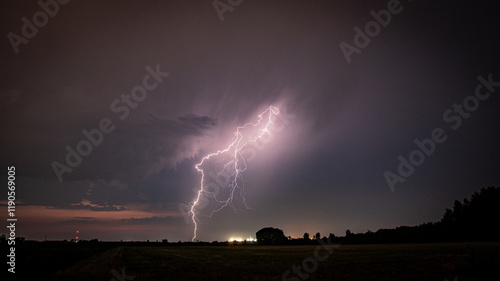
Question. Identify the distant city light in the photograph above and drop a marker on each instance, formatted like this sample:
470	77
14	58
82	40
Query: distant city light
239	239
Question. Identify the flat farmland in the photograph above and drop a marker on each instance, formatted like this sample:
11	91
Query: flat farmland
438	261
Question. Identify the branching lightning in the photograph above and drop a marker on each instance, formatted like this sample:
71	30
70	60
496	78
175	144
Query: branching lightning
236	159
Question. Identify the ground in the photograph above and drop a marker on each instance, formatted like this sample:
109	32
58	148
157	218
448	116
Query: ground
437	261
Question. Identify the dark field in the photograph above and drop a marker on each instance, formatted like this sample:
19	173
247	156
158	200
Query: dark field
440	261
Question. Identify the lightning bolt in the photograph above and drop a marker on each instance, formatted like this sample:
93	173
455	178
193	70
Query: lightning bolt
234	150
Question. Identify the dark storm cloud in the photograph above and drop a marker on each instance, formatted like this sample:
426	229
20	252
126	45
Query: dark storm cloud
82	206
152	220
132	221
137	151
131	155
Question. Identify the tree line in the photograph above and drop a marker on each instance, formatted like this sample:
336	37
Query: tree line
473	219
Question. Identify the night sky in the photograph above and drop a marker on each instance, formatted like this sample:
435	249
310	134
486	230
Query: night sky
422	78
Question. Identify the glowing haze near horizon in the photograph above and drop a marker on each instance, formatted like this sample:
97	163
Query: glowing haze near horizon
322	173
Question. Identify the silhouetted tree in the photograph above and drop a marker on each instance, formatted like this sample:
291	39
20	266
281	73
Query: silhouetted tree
318	236
331	237
474	219
271	236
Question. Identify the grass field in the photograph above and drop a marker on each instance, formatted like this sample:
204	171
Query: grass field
440	261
